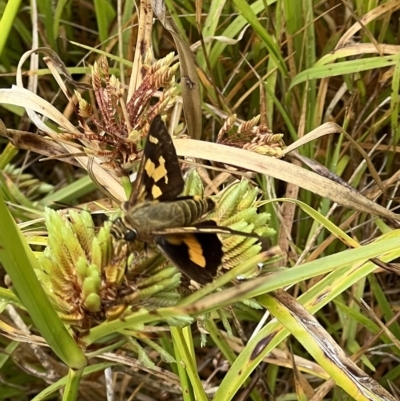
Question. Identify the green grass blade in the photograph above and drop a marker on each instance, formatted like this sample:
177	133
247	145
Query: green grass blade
7	21
342	68
246	11
19	262
72	385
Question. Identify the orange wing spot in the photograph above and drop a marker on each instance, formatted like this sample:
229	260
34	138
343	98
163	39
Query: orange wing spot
160	171
156	191
153	139
149	167
195	250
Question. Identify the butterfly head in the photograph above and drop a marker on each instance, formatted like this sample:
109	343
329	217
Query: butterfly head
130	235
120	231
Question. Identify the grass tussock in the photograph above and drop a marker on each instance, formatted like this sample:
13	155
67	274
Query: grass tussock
293	111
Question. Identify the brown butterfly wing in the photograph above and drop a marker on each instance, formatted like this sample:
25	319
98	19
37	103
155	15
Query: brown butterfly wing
159	176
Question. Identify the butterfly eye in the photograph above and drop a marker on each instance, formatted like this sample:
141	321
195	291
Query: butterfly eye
130	235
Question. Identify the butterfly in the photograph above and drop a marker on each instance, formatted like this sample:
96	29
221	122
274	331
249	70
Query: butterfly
155	211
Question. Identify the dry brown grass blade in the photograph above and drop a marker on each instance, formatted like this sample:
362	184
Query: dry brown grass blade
390	267
16	334
189	80
351	376
287	217
365	48
167	377
303	388
35	143
142	45
384	327
390	6
279	357
283	171
322	130
56	62
332	128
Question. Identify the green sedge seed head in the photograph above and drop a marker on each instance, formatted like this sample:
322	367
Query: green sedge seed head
83	270
93	303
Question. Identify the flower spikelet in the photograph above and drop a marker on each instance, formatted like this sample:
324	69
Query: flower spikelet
19	181
111	128
255	138
84	273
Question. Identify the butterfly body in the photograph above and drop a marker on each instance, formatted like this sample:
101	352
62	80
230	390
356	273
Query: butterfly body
150	218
